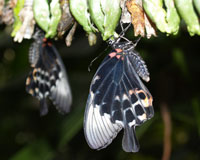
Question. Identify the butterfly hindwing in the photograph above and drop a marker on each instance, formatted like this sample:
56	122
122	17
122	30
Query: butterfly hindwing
117	100
60	92
48	77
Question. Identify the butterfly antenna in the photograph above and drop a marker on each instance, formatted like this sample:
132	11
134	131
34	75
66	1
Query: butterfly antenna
38	34
91	63
136	42
124	29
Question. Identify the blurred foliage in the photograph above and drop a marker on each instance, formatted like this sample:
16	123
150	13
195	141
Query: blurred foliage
174	66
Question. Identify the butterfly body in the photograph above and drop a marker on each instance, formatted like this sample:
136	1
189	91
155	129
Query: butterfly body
118	99
48	77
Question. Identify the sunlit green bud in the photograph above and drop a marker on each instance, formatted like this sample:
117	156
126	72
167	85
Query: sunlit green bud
197	5
41	13
55	18
112	12
79	9
97	14
173	19
154	9
186	10
17	23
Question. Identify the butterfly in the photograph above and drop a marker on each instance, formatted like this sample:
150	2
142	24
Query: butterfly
48	76
118	99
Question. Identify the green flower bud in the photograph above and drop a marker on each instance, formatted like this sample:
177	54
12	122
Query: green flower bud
17	23
79	9
172	17
41	13
55	18
186	10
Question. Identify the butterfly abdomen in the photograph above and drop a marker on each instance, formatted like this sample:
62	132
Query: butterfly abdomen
140	66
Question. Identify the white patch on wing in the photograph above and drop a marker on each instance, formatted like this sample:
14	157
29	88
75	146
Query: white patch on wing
46	94
39	79
108	123
57	82
125	97
40	95
101	125
120	123
60	74
61	95
36	90
48	84
117	98
131	123
52	77
42	72
46	74
62	87
95	79
52	88
99	130
143	117
135	104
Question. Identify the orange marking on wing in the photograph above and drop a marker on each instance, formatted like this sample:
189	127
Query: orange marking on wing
131	92
28	81
31	91
32	65
151	101
34	74
147	101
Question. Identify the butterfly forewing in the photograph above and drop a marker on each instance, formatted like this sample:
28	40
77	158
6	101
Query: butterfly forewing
118	99
99	129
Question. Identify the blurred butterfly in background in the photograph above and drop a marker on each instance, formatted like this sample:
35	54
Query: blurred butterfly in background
118	98
48	76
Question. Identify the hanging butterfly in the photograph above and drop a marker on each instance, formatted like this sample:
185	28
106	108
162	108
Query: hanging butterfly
48	77
118	99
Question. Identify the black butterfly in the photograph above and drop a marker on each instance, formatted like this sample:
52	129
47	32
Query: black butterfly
118	99
48	77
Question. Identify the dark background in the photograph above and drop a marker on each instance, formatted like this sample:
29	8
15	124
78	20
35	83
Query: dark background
174	65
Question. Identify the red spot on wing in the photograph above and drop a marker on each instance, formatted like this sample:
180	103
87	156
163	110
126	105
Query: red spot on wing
49	44
118	50
118	56
44	39
112	54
